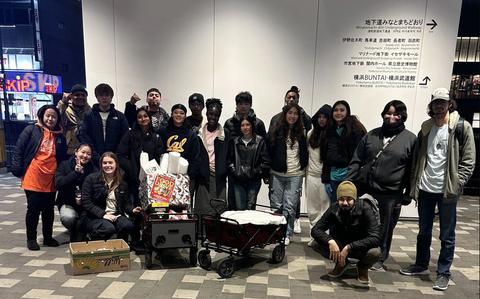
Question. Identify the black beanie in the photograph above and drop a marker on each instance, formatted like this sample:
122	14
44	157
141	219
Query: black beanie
179	106
78	87
196	97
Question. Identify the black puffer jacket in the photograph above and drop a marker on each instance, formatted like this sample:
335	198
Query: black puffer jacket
248	162
278	152
130	148
95	193
67	180
91	131
27	146
338	153
357	227
232	125
391	171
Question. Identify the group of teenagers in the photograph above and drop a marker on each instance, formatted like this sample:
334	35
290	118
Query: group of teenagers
85	160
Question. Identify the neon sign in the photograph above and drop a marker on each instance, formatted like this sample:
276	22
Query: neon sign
32	82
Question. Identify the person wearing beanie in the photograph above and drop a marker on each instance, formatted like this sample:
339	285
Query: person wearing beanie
317	198
196	103
158	115
73	106
354	233
384	176
444	160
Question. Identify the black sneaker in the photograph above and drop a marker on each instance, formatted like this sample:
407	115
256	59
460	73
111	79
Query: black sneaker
33	245
414	270
378	266
51	242
441	284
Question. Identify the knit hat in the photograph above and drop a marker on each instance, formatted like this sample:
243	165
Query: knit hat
348	189
179	106
196	97
78	87
441	94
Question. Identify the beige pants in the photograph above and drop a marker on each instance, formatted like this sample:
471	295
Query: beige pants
317	198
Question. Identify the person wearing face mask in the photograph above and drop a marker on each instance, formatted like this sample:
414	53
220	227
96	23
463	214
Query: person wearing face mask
39	149
384	157
287	146
212	178
73	108
104	126
106	203
344	132
248	162
353	233
157	114
69	179
293	96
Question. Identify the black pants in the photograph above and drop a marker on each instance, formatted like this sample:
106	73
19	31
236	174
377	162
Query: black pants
39	202
389	207
365	258
102	229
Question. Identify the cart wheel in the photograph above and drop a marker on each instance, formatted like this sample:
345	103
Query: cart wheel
278	253
204	259
148	260
193	256
226	268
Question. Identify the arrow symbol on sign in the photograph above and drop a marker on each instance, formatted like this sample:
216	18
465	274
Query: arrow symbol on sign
425	81
434	24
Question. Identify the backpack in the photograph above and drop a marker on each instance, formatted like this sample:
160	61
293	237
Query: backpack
373	204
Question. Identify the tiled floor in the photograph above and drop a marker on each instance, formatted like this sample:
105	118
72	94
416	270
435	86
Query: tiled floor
47	274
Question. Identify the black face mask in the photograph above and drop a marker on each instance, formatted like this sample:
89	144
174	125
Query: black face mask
392	129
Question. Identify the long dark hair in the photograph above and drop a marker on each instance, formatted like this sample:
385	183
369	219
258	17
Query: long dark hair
282	128
252	120
319	134
351	124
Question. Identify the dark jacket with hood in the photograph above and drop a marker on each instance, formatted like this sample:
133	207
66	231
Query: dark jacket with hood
338	153
248	162
67	180
27	146
306	120
95	193
220	145
232	125
390	172
357	227
91	131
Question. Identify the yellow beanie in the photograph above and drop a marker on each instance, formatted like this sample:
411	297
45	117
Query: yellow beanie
347	188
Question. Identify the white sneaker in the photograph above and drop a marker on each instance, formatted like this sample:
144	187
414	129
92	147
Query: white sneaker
287	241
311	243
296	228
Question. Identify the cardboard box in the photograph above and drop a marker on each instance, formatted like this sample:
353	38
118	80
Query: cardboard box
99	256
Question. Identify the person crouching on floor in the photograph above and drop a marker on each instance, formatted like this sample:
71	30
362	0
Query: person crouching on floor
354	233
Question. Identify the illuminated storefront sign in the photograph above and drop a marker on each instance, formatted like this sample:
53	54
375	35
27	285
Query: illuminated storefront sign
32	82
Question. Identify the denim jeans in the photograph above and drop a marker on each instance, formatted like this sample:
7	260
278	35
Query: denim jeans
448	218
246	194
285	195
